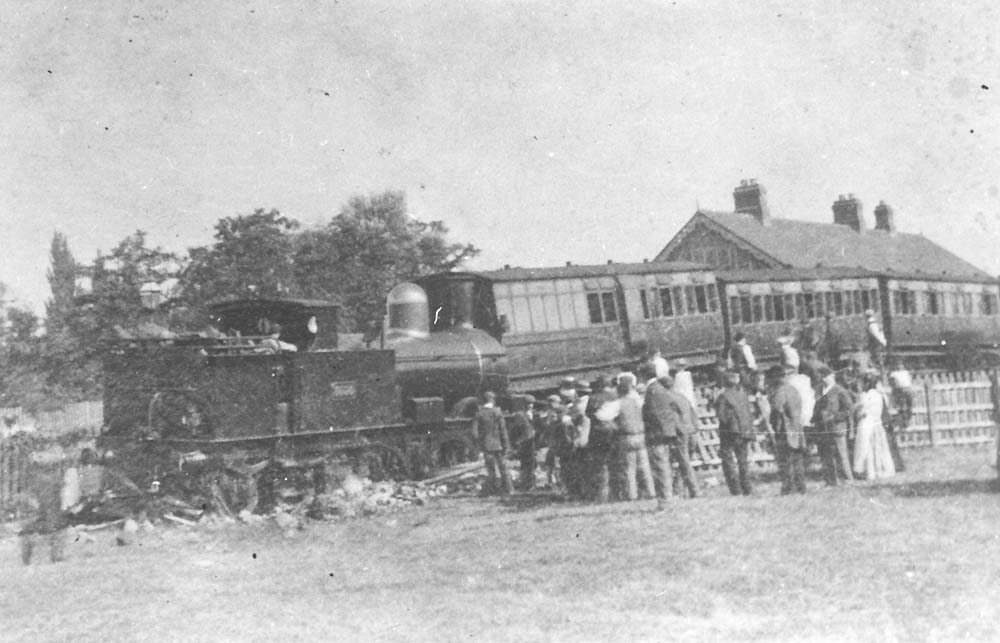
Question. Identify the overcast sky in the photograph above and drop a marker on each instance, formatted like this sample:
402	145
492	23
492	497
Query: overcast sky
541	132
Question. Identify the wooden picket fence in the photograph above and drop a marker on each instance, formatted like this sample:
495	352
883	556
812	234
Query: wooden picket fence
950	409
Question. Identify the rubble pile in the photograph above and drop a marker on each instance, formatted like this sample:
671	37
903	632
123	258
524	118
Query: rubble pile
133	510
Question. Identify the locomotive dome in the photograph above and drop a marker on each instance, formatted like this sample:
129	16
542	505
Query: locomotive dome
408	314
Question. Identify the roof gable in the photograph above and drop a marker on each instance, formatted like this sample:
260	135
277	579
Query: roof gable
803	244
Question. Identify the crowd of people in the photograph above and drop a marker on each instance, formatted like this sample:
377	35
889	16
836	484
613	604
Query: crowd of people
633	434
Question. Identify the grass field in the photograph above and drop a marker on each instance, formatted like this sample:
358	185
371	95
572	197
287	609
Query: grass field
915	558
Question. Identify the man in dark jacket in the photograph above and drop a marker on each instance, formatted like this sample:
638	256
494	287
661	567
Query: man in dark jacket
736	432
790	438
661	418
688	439
523	437
601	440
830	419
491	434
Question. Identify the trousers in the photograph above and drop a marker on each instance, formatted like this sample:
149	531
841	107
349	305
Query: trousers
735	455
635	462
792	464
680	449
526	455
659	462
836	459
496	473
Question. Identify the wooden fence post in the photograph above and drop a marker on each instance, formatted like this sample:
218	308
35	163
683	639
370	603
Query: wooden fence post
930	412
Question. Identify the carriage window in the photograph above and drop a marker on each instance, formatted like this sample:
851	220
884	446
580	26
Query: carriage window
692	305
768	307
933	303
677	292
701	299
758	308
645	304
848	303
734	309
990	304
610	313
779	307
566	310
522	315
865	300
819	305
594	306
808	310
713	299
745	309
838	303
667	303
967	303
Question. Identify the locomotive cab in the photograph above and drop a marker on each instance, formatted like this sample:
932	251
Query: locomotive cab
305	324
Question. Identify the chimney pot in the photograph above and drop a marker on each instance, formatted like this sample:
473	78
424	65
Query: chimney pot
749	197
569	263
849	212
506	266
610	262
884	219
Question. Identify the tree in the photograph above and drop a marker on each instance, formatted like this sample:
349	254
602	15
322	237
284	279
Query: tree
62	282
251	256
373	245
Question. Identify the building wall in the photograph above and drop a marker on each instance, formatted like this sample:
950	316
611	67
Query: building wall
709	247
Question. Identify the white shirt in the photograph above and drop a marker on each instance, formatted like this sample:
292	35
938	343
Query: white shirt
660	366
748	356
804	387
684	384
876	332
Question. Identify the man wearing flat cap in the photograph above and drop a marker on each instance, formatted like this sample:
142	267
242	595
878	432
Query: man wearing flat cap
736	432
830	419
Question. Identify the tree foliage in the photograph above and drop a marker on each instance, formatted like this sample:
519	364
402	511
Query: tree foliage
62	283
252	256
378	245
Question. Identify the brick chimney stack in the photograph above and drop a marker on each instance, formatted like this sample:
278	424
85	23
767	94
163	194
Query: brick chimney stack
847	211
884	218
751	198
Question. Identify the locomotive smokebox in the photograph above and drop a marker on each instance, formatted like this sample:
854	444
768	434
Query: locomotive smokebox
408	315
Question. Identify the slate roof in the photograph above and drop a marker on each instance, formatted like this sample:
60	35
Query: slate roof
804	244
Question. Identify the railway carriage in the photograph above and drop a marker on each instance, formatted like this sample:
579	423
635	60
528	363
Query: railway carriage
929	314
582	321
767	304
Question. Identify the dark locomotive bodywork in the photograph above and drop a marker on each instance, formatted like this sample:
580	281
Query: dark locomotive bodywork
247	401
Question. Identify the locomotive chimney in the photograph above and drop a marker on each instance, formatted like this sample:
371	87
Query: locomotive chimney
847	211
751	198
884	219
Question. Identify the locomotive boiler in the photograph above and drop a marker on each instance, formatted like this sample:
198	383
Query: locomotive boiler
273	393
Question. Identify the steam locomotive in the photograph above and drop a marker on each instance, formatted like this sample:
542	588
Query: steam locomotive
273	396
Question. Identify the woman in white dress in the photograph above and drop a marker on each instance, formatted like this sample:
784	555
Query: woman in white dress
872	457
